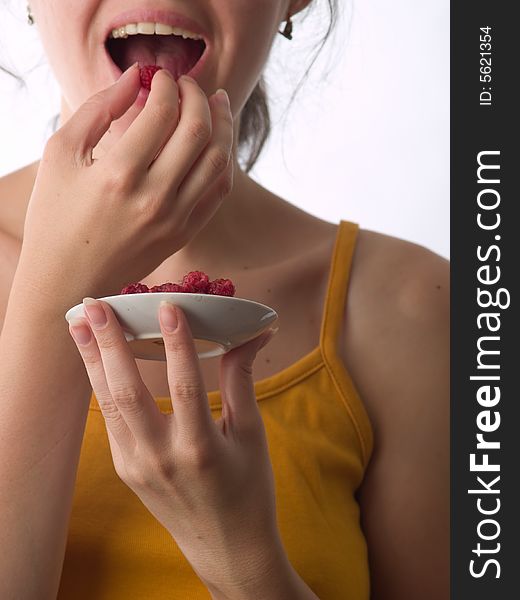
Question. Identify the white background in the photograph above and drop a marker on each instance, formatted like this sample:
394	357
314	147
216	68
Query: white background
366	139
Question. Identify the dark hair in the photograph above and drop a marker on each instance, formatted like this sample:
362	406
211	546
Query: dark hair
255	120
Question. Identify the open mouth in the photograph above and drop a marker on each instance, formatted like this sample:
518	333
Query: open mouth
172	52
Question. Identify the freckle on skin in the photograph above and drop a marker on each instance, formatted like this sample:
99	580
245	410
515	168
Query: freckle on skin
438	287
246	267
87	242
268	289
267	360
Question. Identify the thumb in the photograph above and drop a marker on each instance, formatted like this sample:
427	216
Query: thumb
236	380
265	338
91	121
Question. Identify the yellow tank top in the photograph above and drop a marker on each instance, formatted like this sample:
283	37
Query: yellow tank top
320	440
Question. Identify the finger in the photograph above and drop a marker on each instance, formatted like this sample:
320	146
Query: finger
91	121
86	343
189	399
130	395
211	200
152	128
214	160
236	382
192	135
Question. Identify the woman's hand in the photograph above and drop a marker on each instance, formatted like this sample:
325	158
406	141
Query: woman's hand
98	224
210	483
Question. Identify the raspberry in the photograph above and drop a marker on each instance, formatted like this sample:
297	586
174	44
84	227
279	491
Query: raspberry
147	72
167	287
221	287
196	281
135	288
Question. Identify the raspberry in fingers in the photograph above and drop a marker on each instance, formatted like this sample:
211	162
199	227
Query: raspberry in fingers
184	148
151	129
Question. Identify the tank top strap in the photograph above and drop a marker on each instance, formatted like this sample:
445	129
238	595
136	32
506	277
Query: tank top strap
332	329
337	286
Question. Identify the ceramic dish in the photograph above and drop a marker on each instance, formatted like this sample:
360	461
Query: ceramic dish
218	323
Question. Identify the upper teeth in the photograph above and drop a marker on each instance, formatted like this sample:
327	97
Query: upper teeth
152	29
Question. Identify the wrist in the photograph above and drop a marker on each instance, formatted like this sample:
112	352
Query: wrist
268	577
50	293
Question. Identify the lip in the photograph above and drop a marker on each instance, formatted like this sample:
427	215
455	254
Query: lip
150	15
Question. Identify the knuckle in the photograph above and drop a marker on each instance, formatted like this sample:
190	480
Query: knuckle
91	359
117	181
163	112
201	456
105	341
109	409
95	101
126	396
218	159
96	108
151	473
97	104
58	145
149	205
200	130
227	117
184	389
226	184
162	468
245	369
122	473
134	475
54	143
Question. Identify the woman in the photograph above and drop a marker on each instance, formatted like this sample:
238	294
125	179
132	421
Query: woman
325	476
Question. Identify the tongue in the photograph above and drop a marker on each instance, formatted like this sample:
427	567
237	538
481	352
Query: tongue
170	52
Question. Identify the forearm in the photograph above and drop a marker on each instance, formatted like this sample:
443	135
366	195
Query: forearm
44	393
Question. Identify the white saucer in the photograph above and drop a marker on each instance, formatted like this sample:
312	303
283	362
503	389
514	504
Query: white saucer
218	323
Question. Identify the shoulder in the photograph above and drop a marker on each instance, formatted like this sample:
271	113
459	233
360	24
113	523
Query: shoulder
396	315
399	292
410	276
396	346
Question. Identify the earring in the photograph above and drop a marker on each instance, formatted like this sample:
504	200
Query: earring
287	32
30	18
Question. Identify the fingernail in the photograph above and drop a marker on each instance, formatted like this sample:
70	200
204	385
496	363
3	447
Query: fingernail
124	74
168	316
167	73
222	97
80	332
187	78
95	312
